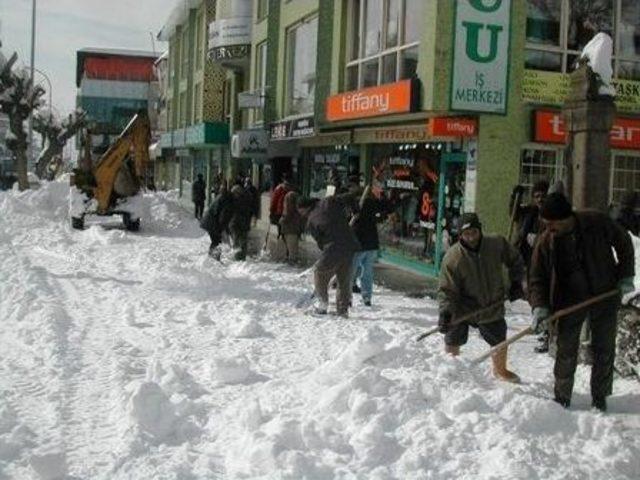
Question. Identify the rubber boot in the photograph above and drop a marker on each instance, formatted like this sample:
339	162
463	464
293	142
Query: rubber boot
500	370
453	350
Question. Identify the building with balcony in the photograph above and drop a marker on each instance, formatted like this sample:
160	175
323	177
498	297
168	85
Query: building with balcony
197	136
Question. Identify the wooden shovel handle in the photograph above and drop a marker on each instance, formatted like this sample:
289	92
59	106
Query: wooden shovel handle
462	319
556	316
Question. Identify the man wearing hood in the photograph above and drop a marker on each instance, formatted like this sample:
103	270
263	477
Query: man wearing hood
471	279
580	255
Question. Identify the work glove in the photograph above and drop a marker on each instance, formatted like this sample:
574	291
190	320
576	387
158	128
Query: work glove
626	286
531	239
444	321
540	319
515	291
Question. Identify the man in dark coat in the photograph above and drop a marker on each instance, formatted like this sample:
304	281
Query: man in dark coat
573	261
530	227
198	195
328	225
255	198
240	222
216	219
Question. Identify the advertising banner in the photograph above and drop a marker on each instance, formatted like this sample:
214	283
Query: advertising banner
481	56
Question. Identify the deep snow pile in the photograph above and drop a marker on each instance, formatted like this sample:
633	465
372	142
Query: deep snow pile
134	356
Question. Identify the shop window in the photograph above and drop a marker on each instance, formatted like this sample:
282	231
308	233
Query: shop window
260	79
199	42
330	163
184	44
301	67
540	164
558	30
384	35
262	10
409	177
625	176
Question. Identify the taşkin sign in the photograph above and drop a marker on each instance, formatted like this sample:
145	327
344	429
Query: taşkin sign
481	56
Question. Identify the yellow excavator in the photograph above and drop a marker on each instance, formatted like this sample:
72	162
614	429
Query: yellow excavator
114	185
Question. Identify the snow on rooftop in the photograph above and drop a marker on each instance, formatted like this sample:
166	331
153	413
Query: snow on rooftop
598	53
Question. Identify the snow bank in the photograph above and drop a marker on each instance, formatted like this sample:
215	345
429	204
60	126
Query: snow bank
135	356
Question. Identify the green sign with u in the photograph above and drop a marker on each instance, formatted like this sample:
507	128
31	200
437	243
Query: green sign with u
481	56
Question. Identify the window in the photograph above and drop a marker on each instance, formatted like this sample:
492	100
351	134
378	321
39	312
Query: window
170	64
197	103
301	67
558	30
383	45
625	176
184	54
199	42
260	80
540	163
183	109
263	9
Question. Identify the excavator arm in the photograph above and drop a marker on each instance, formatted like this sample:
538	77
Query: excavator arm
134	140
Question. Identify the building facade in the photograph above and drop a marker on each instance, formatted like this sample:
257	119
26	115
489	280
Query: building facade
197	136
445	105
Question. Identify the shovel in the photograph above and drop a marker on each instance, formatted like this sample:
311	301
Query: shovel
556	316
461	319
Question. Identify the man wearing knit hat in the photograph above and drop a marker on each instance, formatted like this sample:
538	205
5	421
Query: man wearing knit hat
573	261
471	279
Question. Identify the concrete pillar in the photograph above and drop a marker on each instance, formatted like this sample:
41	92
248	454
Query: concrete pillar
588	117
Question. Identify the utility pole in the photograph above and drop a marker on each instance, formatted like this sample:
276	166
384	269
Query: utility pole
33	58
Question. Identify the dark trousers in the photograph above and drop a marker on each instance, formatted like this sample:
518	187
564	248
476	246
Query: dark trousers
342	271
216	239
199	209
240	241
603	332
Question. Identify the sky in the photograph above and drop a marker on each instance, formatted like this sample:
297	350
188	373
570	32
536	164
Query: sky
64	26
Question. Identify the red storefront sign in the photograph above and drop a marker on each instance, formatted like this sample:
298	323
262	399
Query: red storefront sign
370	102
549	128
453	127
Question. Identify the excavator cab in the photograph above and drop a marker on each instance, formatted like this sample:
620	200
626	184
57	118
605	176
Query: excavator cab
113	186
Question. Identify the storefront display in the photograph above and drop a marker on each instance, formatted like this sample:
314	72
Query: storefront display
331	165
412	180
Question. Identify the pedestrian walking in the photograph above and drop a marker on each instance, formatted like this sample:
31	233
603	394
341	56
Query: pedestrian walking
254	194
240	221
291	227
198	196
328	225
365	225
277	200
216	220
578	256
470	280
531	226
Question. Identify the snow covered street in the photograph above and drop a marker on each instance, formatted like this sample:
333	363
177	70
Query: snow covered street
135	356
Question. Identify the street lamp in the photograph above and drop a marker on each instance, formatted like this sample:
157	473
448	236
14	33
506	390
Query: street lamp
33	55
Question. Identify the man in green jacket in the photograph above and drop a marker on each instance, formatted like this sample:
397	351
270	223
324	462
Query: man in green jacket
580	255
471	279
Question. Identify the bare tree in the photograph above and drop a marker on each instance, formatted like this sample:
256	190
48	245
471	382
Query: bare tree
55	134
18	98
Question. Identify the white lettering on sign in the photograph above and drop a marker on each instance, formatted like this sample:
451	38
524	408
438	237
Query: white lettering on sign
362	102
